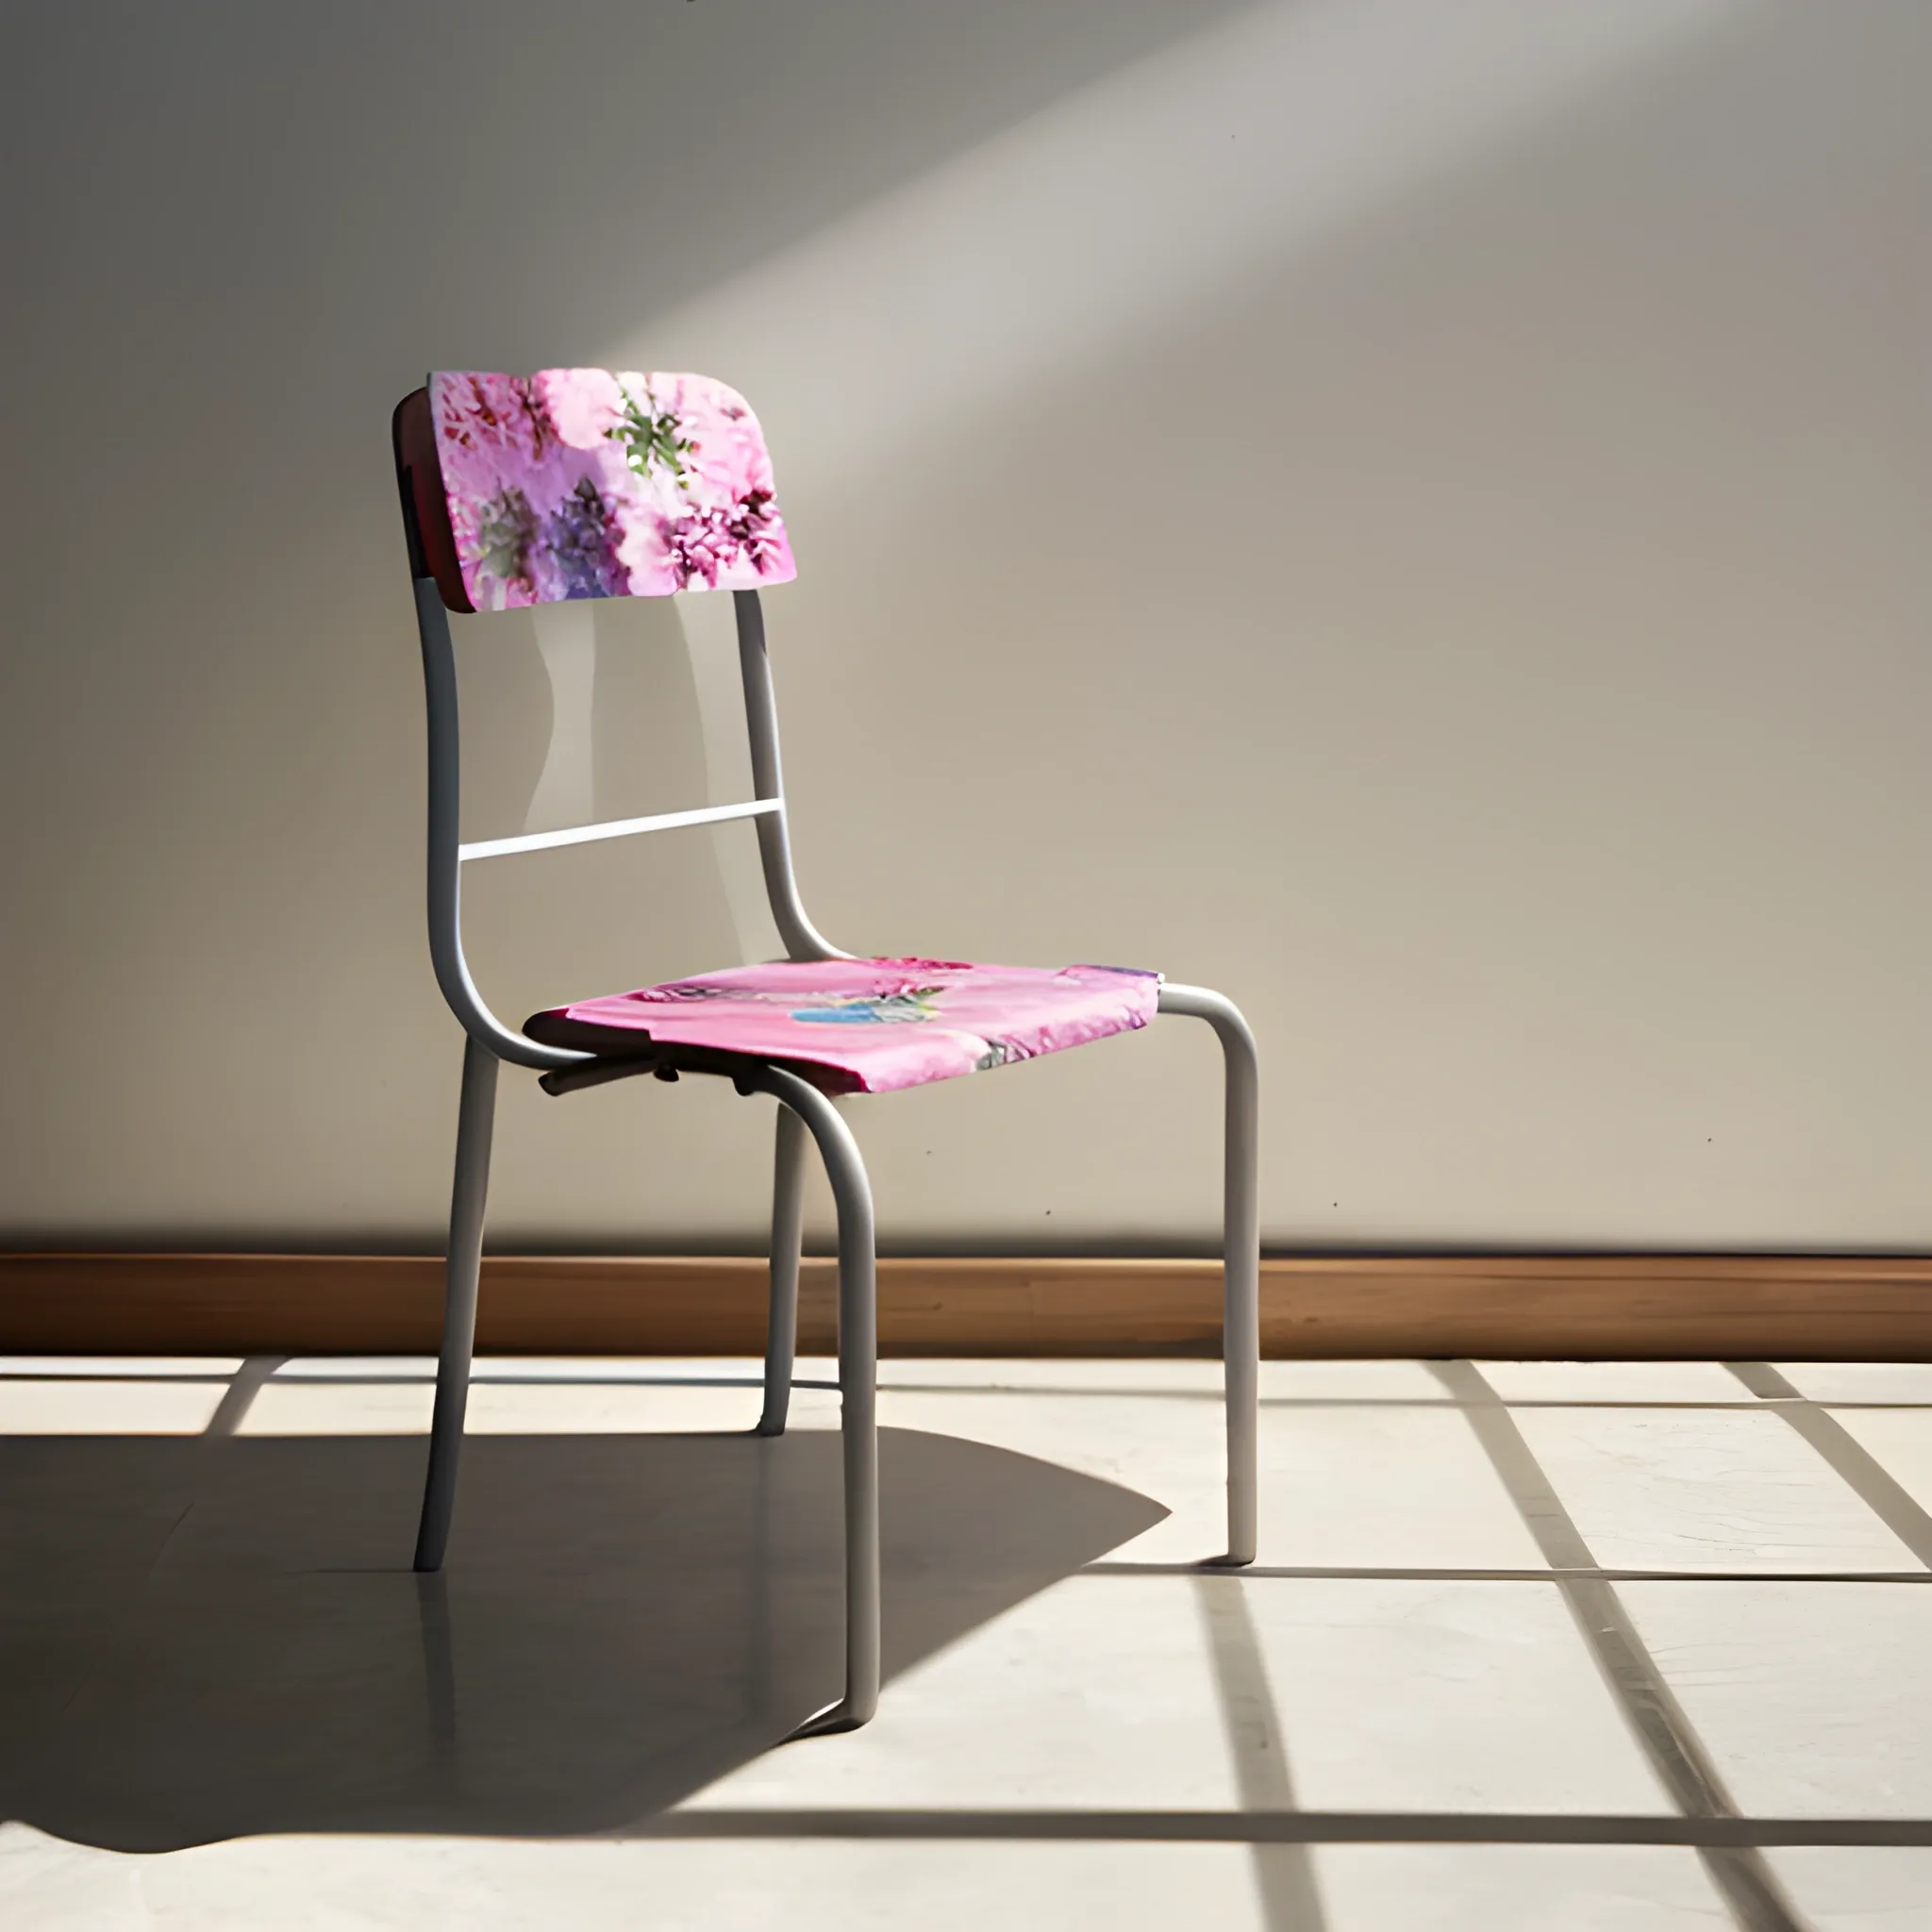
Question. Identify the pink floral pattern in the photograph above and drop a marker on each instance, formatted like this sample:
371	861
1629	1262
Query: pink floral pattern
580	483
868	1025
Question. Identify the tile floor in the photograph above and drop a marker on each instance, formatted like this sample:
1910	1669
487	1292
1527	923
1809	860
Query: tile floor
1576	1647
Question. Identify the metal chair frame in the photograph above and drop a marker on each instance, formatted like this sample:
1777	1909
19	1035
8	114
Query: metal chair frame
802	1109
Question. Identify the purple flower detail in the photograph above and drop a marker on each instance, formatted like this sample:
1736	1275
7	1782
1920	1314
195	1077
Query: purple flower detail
581	537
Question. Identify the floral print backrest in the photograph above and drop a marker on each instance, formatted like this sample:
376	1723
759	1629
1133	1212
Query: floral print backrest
581	483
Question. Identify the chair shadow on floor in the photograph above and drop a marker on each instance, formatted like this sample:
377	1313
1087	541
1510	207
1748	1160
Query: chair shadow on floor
201	1639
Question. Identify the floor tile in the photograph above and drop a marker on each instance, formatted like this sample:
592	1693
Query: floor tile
360	1368
1289	1381
49	1886
165	1407
706	1371
522	1408
675	1371
1863	1889
1613	1382
530	1395
1455	1696
1704	1490
1151	1376
1900	1439
1861	1381
438	1885
101	1367
441	1885
1097	1693
1347	1381
339	1407
987	1887
1516	1889
1384	1486
1813	1699
1373	1486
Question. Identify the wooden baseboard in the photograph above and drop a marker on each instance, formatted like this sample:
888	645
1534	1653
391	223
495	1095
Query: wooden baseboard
1646	1307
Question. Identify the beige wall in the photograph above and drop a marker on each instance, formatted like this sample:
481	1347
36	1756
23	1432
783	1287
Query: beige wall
1415	515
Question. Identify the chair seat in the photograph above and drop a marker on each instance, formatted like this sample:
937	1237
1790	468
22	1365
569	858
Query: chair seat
865	1025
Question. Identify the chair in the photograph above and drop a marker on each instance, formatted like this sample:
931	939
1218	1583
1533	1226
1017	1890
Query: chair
579	483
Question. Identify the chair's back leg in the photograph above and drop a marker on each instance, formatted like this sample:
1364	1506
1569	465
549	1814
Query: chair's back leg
859	1348
476	1120
788	1237
858	1363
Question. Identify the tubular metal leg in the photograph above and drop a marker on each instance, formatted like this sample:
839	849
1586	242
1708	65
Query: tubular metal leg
858	1394
1241	1255
475	1118
787	1234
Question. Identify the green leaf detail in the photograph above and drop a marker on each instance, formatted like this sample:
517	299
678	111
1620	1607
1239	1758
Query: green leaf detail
651	435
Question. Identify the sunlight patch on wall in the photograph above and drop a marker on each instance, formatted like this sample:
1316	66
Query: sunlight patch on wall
1088	221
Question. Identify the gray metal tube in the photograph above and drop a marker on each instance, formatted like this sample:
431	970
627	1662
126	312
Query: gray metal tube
445	868
1240	1345
857	1391
476	1124
803	940
788	1235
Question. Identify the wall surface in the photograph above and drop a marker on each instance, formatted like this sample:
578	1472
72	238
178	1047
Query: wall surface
1415	515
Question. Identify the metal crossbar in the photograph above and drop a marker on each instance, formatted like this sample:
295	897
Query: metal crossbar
616	828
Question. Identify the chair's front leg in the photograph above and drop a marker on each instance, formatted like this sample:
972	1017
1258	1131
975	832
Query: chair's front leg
1242	1256
858	1395
787	1235
475	1122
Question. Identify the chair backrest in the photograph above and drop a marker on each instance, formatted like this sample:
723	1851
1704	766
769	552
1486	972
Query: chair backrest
578	483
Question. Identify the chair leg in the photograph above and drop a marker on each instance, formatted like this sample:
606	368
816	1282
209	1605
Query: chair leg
1241	1256
857	1397
787	1234
475	1119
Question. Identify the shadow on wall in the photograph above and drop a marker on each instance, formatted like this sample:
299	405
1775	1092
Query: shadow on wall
576	713
623	1621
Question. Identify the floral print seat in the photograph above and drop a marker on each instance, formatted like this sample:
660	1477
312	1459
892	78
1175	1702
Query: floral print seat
864	1026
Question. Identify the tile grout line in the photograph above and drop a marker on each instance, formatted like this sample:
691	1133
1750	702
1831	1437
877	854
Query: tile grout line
1283	1872
1441	1404
1314	1573
1278	1827
1849	1459
1662	1729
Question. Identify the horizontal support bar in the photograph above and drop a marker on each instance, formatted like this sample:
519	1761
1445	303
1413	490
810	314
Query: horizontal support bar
618	828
